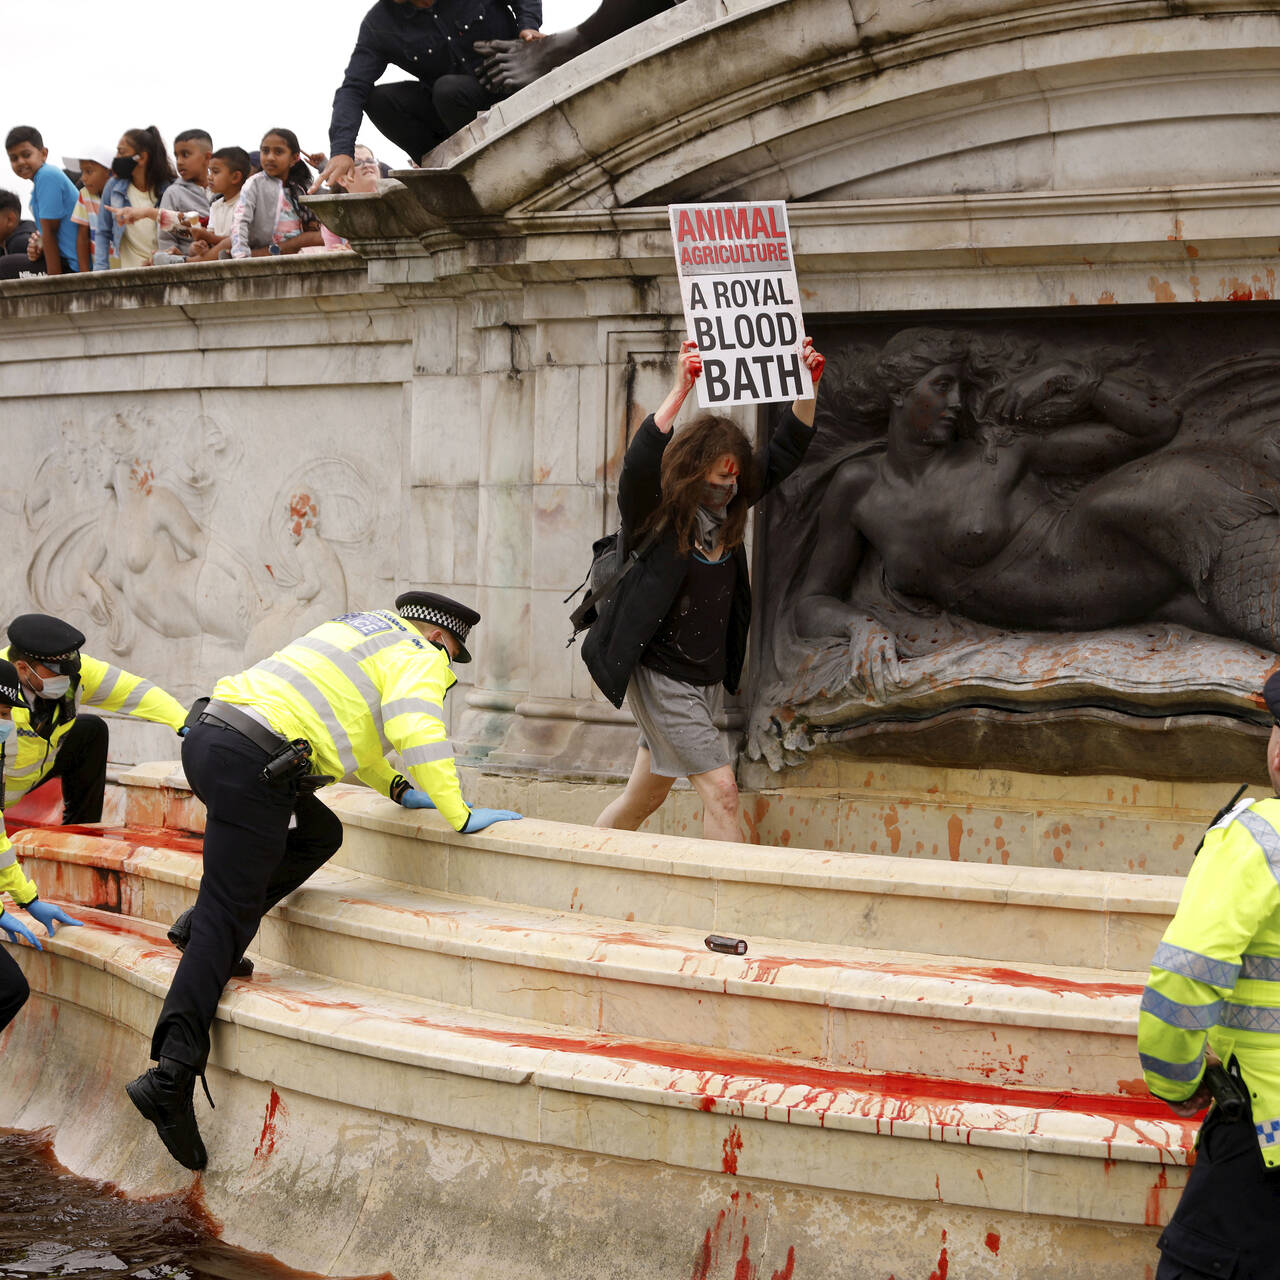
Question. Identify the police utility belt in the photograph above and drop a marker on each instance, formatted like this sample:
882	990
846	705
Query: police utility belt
286	761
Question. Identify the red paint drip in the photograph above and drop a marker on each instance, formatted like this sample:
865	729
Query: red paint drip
789	1268
993	1241
732	1145
746	1269
276	1114
1152	1215
940	1272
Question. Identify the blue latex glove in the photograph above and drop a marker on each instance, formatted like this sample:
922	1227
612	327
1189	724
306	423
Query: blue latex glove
183	730
15	929
481	818
49	915
415	799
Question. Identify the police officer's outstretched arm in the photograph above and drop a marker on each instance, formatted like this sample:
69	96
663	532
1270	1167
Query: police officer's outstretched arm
413	720
14	882
110	688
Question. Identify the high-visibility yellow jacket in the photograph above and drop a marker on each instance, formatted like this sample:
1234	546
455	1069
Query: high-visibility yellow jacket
356	688
1216	973
28	755
13	880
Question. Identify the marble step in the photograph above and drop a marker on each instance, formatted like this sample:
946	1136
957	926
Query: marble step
898	1135
1036	1025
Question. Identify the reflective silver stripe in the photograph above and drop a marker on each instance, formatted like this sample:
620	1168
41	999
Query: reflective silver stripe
134	700
1183	1072
1194	965
431	752
1190	1017
366	648
1248	1017
302	684
98	697
1261	968
25	770
344	661
411	706
7	859
1266	835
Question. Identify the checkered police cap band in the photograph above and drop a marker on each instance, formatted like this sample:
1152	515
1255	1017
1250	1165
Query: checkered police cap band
10	694
437	618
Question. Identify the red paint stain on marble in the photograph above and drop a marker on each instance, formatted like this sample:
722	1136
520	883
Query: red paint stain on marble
940	1272
1161	290
788	1269
731	1146
277	1113
143	475
955	829
745	1268
993	1241
1152	1215
1106	298
892	830
1133	1088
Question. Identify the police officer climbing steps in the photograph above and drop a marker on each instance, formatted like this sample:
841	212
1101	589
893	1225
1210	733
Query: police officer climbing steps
1213	998
331	705
13	880
52	738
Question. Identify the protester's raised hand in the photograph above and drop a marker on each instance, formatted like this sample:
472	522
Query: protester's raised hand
688	366
814	361
338	168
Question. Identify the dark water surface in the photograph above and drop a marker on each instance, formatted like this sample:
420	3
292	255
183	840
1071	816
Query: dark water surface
53	1223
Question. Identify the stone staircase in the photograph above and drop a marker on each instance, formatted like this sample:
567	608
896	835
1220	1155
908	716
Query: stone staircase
935	1058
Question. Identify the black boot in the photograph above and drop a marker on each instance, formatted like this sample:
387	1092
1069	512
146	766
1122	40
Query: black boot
164	1095
180	935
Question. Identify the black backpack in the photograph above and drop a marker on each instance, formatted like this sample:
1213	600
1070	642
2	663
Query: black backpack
607	570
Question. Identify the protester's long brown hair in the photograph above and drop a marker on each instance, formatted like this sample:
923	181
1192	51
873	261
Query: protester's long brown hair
685	464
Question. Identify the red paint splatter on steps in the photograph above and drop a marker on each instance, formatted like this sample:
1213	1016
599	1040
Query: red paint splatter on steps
940	1273
993	1241
41	805
732	1145
789	1268
277	1114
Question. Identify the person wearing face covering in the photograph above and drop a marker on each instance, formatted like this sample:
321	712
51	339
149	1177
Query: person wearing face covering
52	739
13	880
673	634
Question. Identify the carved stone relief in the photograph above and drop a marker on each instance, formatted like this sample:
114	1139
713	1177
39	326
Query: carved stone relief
1025	515
139	534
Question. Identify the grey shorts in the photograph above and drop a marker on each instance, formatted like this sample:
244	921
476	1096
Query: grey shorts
677	723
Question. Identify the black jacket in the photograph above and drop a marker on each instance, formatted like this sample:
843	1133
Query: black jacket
427	43
630	618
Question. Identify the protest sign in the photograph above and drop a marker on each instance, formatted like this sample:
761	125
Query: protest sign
741	301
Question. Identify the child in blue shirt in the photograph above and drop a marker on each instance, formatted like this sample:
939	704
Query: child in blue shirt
53	198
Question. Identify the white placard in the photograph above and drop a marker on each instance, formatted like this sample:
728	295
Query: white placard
741	301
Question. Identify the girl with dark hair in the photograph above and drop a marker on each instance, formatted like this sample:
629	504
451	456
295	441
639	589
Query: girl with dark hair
140	174
13	880
270	218
674	632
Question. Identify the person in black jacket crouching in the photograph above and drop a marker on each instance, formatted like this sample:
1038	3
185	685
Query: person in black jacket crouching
673	634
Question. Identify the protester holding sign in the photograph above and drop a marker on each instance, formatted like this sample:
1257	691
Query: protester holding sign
674	632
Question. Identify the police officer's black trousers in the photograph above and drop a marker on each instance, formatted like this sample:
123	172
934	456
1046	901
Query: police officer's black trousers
1228	1220
252	859
81	763
13	988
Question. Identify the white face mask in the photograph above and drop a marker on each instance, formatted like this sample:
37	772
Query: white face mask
6	731
55	687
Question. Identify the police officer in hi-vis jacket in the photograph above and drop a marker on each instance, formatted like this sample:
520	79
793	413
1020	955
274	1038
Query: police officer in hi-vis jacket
52	739
1214	996
13	880
327	707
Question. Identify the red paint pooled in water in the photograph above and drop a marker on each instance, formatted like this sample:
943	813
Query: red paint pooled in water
789	1268
993	1241
276	1115
940	1273
732	1145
